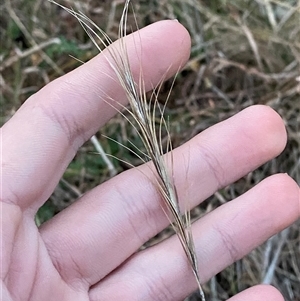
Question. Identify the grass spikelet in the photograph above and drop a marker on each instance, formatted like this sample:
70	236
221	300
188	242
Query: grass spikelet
143	111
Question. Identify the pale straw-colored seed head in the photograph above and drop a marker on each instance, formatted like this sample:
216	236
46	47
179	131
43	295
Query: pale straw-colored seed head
143	111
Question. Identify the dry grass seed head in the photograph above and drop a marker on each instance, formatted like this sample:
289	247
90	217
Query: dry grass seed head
144	118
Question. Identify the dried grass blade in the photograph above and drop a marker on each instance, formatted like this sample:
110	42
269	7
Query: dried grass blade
145	119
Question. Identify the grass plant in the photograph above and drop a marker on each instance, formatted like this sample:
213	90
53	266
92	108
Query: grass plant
143	111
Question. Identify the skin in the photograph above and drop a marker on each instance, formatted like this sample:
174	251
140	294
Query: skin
88	251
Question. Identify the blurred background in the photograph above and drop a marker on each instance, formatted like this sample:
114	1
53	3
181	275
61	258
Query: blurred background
244	52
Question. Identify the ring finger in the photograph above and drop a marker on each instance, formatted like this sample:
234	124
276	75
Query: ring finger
221	237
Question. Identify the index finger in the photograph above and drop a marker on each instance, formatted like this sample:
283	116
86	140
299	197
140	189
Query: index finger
42	138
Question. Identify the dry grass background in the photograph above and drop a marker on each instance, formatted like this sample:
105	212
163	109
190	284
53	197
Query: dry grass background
244	52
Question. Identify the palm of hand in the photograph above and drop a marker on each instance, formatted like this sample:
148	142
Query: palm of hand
80	254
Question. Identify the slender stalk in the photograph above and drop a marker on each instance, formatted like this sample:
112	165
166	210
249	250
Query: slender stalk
143	110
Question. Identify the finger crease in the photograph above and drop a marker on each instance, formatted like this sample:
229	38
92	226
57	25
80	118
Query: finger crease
227	242
74	132
214	166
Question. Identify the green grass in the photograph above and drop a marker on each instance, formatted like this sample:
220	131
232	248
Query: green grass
244	52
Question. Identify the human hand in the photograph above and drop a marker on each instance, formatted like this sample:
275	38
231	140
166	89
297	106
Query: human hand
88	251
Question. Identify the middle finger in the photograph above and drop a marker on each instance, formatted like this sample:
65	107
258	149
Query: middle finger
95	235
